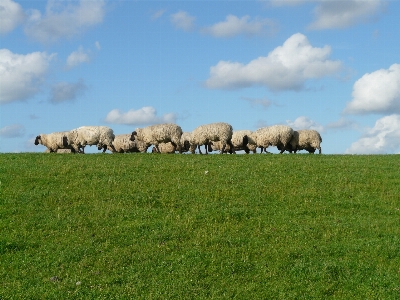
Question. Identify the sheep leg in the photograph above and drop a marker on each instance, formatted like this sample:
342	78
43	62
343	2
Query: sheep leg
223	148
231	148
175	147
199	149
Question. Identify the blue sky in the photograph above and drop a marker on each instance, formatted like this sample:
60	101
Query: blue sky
332	66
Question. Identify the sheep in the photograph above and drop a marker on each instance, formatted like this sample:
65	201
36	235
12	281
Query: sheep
156	134
306	139
213	132
102	136
164	148
123	144
276	135
54	141
240	141
185	141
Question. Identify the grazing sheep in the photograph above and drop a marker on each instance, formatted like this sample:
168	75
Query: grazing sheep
156	134
122	144
185	141
213	132
240	141
276	135
102	136
54	141
164	148
306	139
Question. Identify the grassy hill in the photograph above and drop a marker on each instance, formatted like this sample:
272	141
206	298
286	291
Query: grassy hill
151	226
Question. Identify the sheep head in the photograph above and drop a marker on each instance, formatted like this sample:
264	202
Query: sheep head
133	135
37	140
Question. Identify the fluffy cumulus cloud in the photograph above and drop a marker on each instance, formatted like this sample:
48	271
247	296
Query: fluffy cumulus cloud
22	75
233	26
64	20
342	14
287	67
305	123
12	131
78	57
11	15
143	116
182	20
376	92
65	91
383	138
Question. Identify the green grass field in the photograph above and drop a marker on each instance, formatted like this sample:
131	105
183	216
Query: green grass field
151	226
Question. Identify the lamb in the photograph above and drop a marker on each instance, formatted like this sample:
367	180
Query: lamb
240	141
213	132
102	136
306	139
161	133
54	141
122	144
276	135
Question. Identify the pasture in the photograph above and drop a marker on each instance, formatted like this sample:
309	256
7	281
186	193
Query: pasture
157	226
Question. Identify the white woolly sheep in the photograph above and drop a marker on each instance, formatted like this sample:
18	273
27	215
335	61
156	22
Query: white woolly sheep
240	141
185	141
102	136
276	135
122	144
306	139
160	133
213	132
54	141
164	148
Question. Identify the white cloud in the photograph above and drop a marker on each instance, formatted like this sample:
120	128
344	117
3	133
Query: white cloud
142	116
21	75
64	91
305	123
78	57
342	14
234	26
376	92
263	102
182	20
342	124
12	131
11	15
158	14
62	20
287	67
97	45
383	138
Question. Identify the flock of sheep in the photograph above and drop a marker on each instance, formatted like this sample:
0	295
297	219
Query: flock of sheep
169	138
